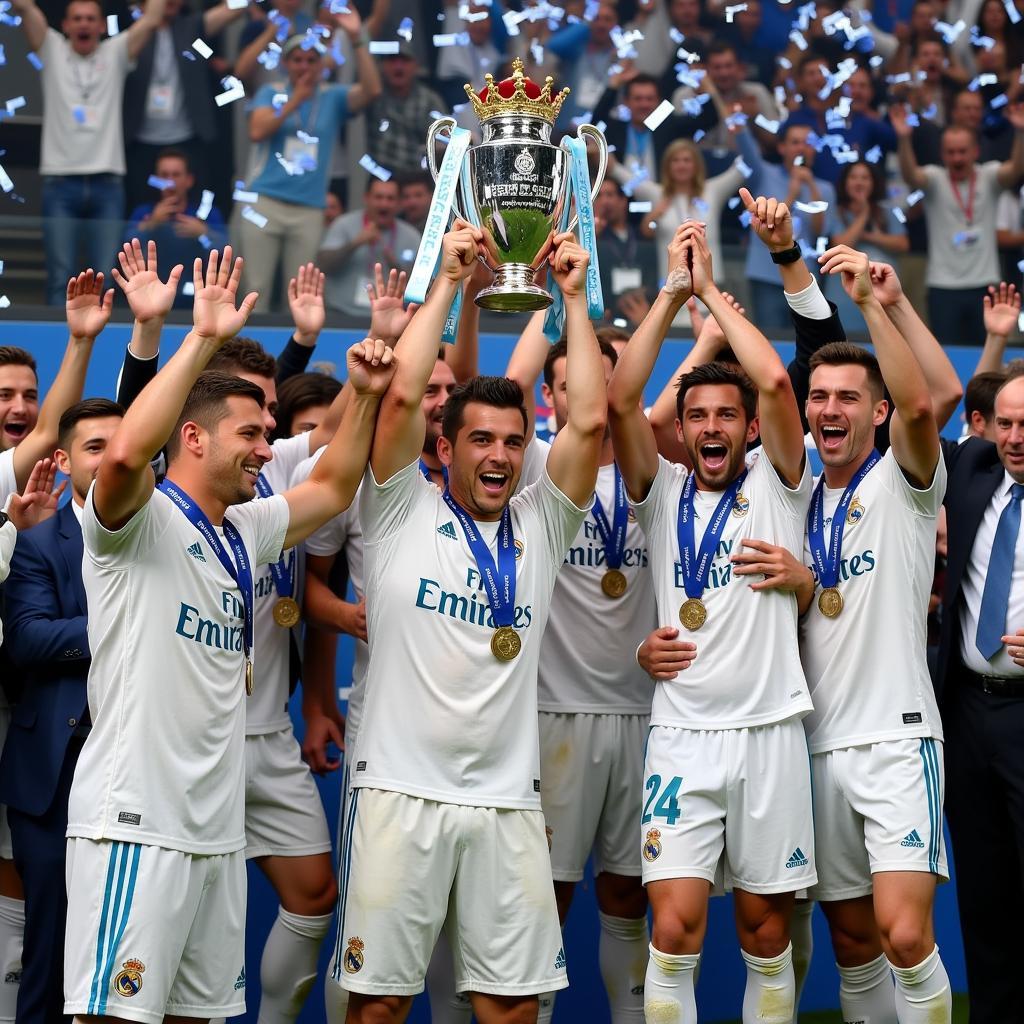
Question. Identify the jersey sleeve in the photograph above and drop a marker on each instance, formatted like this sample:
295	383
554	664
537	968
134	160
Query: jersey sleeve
660	496
266	523
121	548
384	508
795	500
535	458
560	519
923	501
8	479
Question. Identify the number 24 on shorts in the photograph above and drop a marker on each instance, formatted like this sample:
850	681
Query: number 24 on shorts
666	805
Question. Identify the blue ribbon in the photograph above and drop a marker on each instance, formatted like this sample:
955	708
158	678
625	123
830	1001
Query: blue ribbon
425	470
827	563
695	578
239	570
613	535
500	579
283	575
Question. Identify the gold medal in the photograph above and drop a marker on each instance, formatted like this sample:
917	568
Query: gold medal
506	644
614	583
693	614
286	612
830	602
248	678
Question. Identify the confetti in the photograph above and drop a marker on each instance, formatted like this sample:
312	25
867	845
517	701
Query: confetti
873	155
189	55
188	288
699	134
407	255
5	302
512	19
15	104
899	215
159	183
733	10
384	125
240	194
405	29
278	100
5	181
658	115
745	218
3	57
112	26
812	208
309	140
743	167
797	37
33	59
205	205
737	119
383	47
1011	11
204	241
369	164
980	41
772	127
949	32
447	39
202	49
619	322
639	206
999	101
78	113
734	202
877	61
253	217
234	90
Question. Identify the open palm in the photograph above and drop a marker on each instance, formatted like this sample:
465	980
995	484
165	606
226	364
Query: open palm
87	306
148	297
1002	308
213	311
389	315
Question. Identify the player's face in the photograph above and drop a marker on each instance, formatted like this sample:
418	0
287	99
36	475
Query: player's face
1009	419
269	386
237	450
439	387
555	395
85	451
308	419
19	404
486	460
843	414
715	431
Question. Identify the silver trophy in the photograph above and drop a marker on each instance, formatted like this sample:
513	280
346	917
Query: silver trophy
515	185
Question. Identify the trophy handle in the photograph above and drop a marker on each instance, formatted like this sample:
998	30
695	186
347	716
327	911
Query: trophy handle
443	125
602	165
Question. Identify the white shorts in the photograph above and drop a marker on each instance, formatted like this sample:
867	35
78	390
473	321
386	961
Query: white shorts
591	769
152	932
877	808
746	792
411	865
284	815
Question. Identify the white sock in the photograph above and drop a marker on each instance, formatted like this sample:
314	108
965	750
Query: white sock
545	1007
801	934
288	968
622	954
668	988
335	998
866	993
922	992
12	937
768	998
446	1005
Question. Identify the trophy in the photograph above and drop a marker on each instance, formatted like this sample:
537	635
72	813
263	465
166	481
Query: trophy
516	185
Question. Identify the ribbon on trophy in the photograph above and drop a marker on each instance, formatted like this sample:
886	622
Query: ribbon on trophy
429	255
579	189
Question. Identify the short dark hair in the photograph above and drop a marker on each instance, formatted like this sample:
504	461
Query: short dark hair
11	355
720	46
980	394
87	409
207	403
642	79
372	180
301	392
500	392
245	354
415	178
561	349
718	373
174	153
609	332
844	353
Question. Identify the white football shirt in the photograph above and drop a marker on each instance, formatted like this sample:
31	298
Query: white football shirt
587	662
8	480
444	719
747	669
164	762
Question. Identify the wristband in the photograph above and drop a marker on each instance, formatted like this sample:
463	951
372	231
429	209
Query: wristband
636	655
786	255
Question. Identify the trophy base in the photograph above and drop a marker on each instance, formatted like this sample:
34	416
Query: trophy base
513	291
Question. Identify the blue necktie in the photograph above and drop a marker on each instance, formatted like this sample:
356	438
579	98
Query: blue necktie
996	598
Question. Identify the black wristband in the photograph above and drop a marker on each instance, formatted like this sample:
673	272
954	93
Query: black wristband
786	255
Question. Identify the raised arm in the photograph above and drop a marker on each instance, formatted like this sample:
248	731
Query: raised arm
142	29
909	167
1002	313
306	305
912	430
125	480
576	451
464	356
87	309
400	428
218	18
527	362
367	86
33	23
1011	171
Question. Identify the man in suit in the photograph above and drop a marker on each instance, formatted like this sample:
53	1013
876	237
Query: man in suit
981	693
47	640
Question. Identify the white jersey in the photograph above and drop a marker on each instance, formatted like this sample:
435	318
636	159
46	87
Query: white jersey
164	762
267	709
867	668
8	480
747	670
580	671
444	719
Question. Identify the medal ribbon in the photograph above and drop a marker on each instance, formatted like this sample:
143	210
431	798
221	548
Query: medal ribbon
695	577
239	570
827	563
282	574
500	579
425	470
613	536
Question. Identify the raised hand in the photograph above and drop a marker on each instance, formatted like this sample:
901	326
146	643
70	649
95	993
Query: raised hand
854	269
349	22
148	297
389	316
371	365
701	272
214	315
38	501
900	124
87	307
770	220
678	280
1002	309
569	264
306	302
885	284
459	249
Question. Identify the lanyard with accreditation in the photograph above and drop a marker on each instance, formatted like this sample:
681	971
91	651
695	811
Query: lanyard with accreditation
240	570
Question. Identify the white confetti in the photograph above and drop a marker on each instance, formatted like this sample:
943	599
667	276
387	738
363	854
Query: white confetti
899	215
253	217
1011	10
639	206
384	125
812	208
205	205
112	26
915	197
447	39
5	302
233	90
999	101
797	37
237	5
743	167
202	49
405	29
383	47
15	104
163	184
658	115
188	288
369	164
733	10
5	181
619	322
241	195
768	125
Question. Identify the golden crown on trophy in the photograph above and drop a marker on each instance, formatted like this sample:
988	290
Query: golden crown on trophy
516	95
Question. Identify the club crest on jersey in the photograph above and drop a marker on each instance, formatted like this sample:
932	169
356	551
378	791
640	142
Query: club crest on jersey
855	513
128	982
630	514
740	506
652	844
354	955
520	549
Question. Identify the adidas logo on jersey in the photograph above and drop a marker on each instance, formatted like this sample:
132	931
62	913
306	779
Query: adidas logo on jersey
797	859
196	551
448	530
560	959
913	840
240	980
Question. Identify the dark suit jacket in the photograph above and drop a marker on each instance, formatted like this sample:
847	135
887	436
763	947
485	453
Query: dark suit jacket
974	472
45	631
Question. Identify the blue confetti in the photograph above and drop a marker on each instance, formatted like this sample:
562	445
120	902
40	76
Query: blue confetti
33	59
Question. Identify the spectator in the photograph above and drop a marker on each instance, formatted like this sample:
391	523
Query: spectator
416	189
333	209
173	222
82	156
397	123
358	240
587	53
660	24
457	65
749	36
168	99
960	207
19	395
296	137
980	404
268	28
627	260
302	403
